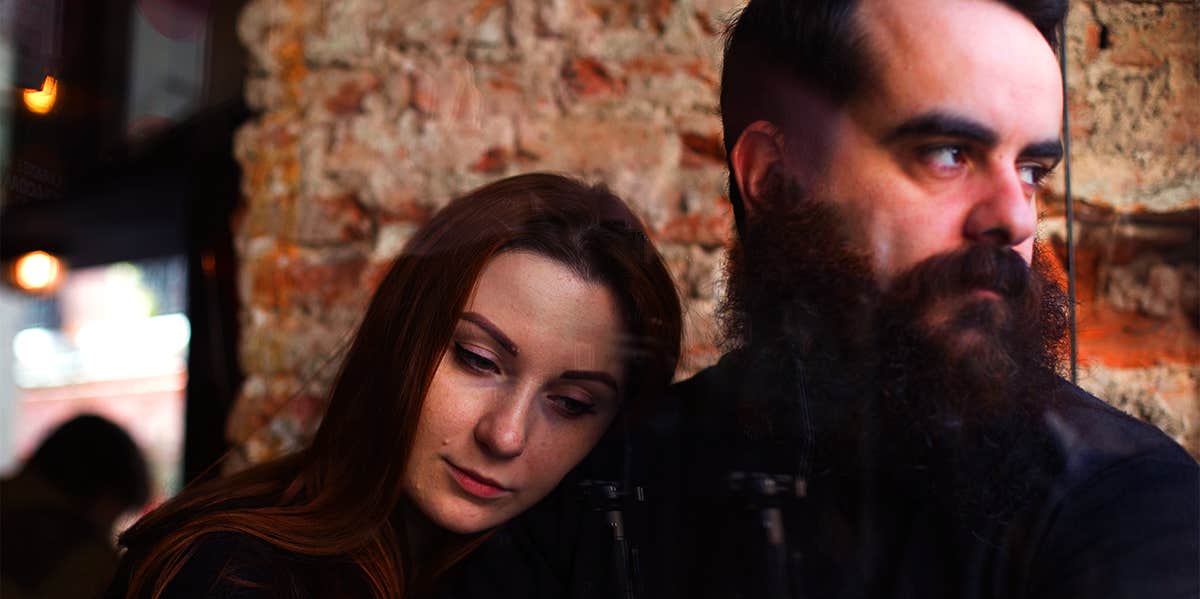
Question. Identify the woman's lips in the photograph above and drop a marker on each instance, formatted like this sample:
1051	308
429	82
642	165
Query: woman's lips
475	483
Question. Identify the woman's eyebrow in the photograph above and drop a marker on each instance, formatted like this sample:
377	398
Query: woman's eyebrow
591	375
492	330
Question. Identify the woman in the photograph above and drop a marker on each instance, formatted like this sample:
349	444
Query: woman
495	353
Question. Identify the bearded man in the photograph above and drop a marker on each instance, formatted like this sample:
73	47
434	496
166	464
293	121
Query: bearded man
895	338
890	419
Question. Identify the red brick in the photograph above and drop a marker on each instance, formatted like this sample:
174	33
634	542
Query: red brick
588	77
659	11
482	8
493	161
288	277
707	24
349	95
615	13
701	149
1091	40
669	65
1129	50
1083	116
332	219
709	229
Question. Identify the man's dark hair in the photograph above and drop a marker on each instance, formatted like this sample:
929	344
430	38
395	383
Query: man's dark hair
88	457
817	42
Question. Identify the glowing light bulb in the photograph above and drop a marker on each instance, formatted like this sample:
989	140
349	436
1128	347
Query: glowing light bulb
37	271
41	101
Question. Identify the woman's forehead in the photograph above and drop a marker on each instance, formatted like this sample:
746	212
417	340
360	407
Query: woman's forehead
545	306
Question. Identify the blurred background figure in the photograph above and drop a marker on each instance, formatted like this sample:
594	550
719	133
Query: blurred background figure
57	515
117	265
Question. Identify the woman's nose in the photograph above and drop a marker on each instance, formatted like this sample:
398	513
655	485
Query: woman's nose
503	430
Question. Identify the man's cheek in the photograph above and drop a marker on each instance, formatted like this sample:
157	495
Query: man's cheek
901	241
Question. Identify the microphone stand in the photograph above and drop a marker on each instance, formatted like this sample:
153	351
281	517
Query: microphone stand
607	496
765	493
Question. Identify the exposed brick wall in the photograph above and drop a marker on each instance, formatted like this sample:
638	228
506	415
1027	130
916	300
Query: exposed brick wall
1133	99
1134	79
372	114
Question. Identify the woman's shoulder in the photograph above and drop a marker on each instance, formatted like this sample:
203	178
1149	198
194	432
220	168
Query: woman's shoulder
227	565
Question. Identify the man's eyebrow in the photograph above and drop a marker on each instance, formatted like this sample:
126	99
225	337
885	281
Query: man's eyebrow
492	330
1051	148
942	124
589	375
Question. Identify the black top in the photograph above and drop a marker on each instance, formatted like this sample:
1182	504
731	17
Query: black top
236	566
1110	507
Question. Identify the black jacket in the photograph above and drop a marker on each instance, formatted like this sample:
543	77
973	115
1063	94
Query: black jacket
1109	507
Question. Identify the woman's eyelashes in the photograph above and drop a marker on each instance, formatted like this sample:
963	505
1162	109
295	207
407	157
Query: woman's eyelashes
477	361
571	407
474	360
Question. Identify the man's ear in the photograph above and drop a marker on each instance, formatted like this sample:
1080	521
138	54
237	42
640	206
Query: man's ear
757	152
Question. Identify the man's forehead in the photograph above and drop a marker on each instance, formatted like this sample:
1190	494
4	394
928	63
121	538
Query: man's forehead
943	23
977	58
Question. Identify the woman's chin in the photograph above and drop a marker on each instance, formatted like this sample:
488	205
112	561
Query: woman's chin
464	518
465	526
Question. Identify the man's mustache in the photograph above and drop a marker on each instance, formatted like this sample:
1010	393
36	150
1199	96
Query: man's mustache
973	268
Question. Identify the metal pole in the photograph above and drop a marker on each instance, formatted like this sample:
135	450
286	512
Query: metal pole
1062	60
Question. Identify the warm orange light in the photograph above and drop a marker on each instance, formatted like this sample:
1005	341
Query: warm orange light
41	101
37	271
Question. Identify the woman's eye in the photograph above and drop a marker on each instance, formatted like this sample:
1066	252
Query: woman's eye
572	407
474	361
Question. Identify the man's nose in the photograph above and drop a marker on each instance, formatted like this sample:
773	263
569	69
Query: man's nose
1004	213
503	430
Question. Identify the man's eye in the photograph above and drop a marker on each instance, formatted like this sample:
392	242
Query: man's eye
474	361
571	407
1032	174
944	159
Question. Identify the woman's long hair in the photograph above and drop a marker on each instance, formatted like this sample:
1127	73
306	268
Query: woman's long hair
337	498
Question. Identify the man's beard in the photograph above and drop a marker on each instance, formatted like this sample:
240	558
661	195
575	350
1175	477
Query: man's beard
957	354
979	326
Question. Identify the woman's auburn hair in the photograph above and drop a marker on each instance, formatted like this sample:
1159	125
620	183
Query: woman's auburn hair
336	498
